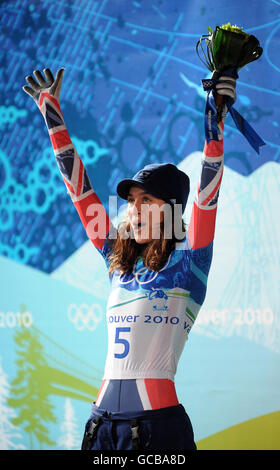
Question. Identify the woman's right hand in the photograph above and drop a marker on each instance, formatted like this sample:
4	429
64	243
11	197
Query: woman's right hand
44	84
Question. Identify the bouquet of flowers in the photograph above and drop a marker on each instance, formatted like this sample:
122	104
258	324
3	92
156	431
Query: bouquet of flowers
228	49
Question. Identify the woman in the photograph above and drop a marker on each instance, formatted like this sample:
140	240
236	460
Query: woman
158	275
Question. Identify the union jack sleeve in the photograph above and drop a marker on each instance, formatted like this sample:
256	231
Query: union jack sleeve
203	217
92	213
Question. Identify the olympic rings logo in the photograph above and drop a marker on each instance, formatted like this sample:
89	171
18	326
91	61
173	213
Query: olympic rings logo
85	316
142	272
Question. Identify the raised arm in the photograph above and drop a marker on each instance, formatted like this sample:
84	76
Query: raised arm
203	217
45	91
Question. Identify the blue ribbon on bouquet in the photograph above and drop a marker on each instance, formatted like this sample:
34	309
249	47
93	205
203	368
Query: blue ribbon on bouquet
210	119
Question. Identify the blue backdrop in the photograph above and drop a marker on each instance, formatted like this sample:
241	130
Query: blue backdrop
132	95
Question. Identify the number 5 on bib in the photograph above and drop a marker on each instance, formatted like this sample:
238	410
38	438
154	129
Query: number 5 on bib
122	341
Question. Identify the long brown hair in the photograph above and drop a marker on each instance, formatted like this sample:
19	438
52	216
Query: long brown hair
126	251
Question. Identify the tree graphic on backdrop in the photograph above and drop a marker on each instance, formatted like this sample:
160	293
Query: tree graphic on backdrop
8	431
30	388
70	437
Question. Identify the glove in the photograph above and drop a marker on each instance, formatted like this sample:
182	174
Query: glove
224	91
226	86
44	84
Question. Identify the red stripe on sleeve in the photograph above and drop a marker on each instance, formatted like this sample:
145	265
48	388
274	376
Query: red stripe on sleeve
202	227
51	98
60	139
71	189
94	219
214	148
80	180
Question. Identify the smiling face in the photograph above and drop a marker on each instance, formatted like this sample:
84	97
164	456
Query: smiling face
144	214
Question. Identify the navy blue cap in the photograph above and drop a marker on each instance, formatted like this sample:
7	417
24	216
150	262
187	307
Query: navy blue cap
163	180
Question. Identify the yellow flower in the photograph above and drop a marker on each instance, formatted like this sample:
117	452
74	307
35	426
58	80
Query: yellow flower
234	29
